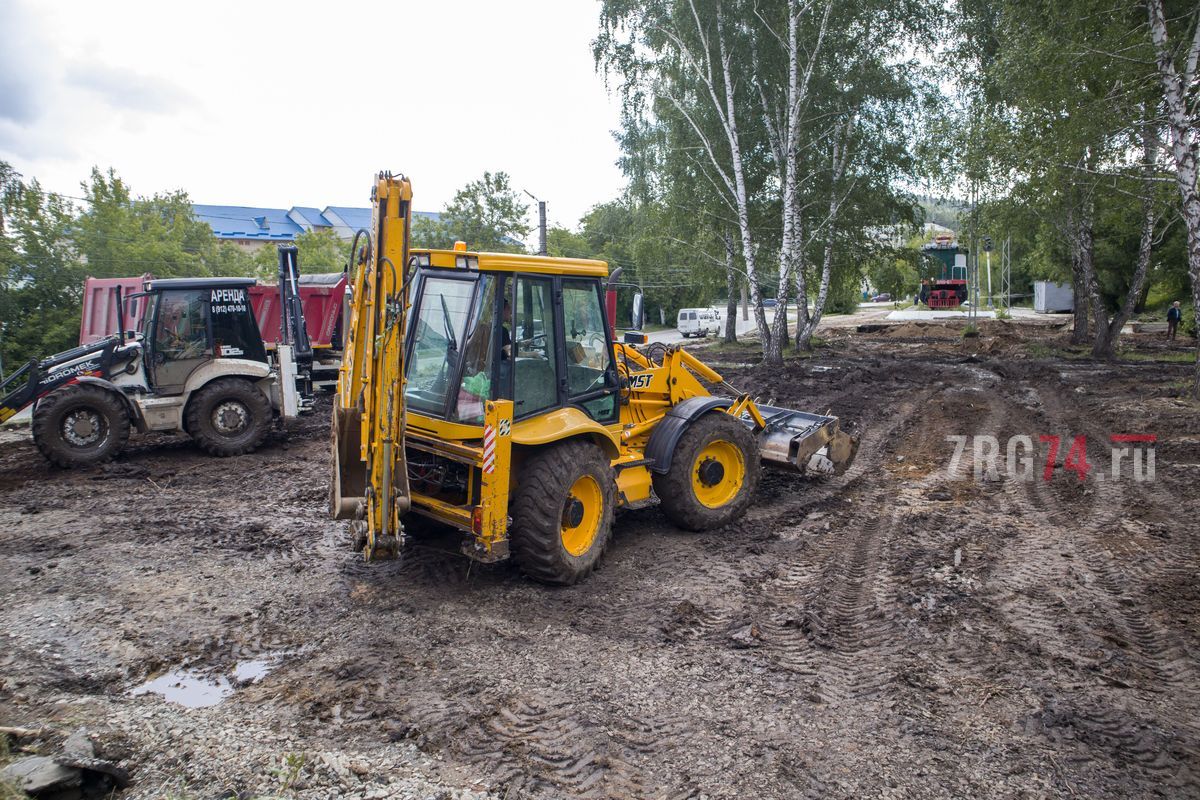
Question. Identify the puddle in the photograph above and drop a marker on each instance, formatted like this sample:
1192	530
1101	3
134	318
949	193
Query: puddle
187	688
193	689
254	670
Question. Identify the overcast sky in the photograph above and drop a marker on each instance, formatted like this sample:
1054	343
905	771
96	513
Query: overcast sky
297	103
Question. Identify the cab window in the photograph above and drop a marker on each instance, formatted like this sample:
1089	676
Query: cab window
437	341
589	360
478	357
528	341
181	332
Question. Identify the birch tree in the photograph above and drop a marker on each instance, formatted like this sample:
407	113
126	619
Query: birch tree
1177	71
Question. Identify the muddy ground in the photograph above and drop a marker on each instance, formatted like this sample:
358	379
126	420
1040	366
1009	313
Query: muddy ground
893	632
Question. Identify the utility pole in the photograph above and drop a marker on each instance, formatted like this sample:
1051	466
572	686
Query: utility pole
541	223
541	227
973	260
1006	271
987	249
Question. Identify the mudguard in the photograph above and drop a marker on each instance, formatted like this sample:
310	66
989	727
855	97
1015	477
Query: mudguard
665	436
130	406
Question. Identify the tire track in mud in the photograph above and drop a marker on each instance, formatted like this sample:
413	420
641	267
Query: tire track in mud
545	748
832	611
541	746
1074	521
1110	502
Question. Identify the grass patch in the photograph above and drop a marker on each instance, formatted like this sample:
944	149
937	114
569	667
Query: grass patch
9	791
740	346
1171	357
970	331
1043	350
288	772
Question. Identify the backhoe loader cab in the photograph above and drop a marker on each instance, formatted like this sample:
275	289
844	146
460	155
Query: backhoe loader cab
536	339
192	322
198	365
486	391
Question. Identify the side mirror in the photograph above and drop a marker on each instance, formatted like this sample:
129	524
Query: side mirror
639	313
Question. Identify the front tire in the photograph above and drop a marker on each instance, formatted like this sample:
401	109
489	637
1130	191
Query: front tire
713	476
229	417
80	425
563	512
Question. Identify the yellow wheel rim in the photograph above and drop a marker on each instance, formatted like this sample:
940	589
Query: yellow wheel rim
581	515
718	473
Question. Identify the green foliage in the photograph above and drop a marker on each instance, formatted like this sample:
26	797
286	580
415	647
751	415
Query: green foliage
41	278
1055	100
894	272
845	289
10	791
318	250
119	235
851	149
48	246
288	771
488	214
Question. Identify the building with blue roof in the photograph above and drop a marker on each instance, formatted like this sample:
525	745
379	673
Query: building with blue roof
251	227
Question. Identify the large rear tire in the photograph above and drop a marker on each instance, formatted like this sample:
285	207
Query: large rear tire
713	476
563	512
80	425
229	417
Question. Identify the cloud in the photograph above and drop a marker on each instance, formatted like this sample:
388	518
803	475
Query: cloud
125	88
22	72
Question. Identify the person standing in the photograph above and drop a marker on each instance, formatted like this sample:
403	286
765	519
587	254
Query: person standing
1174	315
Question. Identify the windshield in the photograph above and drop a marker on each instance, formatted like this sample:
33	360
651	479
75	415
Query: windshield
436	333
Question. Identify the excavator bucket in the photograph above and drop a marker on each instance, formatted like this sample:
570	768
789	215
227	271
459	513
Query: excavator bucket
348	483
804	441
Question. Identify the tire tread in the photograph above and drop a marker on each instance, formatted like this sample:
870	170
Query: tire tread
674	489
546	477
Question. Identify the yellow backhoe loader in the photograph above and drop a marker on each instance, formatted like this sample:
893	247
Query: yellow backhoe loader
486	391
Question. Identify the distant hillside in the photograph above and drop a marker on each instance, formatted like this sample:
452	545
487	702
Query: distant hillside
942	211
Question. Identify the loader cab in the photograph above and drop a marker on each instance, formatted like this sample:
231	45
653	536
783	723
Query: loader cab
499	326
192	321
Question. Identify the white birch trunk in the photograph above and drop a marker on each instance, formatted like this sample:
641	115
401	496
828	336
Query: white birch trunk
1103	347
731	285
1184	141
840	158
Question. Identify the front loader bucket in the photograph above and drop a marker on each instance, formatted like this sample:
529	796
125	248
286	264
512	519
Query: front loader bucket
804	441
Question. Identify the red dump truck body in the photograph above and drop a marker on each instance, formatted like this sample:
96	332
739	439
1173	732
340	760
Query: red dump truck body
100	307
320	294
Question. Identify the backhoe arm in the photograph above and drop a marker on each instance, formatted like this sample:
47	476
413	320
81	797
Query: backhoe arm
370	476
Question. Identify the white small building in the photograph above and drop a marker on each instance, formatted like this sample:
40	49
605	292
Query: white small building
1053	298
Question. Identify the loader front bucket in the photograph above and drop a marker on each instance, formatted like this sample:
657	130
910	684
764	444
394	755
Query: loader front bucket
804	441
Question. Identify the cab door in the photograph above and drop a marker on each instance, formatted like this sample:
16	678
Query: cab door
181	341
591	376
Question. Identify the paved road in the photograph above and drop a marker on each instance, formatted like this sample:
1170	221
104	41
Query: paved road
867	312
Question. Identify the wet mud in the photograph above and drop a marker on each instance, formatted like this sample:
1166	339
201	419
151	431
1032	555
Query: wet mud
894	631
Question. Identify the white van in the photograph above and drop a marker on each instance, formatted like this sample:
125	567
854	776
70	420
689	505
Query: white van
698	322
